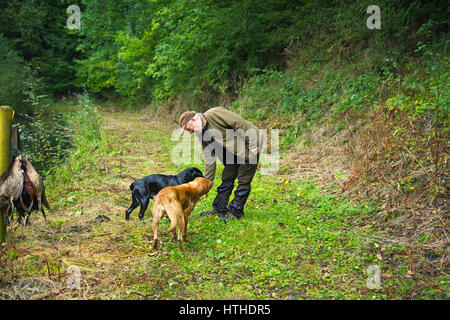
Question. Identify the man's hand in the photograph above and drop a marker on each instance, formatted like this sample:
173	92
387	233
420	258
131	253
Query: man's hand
255	151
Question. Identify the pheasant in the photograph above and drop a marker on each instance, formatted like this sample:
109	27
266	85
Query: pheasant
11	185
33	190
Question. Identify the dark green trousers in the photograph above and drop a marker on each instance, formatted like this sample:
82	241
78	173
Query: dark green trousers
244	173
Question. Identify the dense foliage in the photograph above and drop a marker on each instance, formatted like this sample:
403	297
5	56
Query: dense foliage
167	48
364	111
37	30
201	49
13	75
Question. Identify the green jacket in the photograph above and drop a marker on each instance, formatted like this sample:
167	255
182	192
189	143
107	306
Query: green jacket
227	132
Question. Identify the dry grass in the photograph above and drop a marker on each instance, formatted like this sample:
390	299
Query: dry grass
369	162
104	251
401	163
114	256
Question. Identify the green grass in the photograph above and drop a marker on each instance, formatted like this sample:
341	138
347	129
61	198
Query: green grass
294	240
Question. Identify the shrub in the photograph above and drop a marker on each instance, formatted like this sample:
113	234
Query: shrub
19	86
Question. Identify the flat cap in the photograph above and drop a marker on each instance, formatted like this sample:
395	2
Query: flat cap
185	117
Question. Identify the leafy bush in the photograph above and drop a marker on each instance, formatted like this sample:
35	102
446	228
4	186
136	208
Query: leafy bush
19	87
172	48
97	71
12	75
37	32
85	138
167	48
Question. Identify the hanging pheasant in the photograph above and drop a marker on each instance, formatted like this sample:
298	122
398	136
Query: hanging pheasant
27	197
33	194
11	185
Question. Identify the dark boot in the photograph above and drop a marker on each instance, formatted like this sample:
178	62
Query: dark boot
223	195
241	194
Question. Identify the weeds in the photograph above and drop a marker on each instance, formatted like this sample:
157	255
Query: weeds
294	241
369	127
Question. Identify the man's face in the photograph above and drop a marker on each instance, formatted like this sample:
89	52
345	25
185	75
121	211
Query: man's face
194	125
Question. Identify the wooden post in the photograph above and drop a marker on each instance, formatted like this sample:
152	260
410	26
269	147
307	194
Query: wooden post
6	116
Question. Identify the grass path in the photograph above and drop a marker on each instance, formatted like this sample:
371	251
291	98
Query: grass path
293	243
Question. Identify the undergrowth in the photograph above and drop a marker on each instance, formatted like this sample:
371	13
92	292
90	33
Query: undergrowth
295	241
382	121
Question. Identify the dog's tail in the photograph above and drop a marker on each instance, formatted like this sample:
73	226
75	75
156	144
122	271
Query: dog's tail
126	175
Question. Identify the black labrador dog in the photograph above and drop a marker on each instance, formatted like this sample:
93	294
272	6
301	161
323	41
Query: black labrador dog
144	189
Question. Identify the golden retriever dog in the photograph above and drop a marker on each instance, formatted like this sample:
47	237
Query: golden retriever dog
177	203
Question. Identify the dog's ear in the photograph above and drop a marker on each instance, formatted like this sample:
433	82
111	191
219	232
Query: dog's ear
208	185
